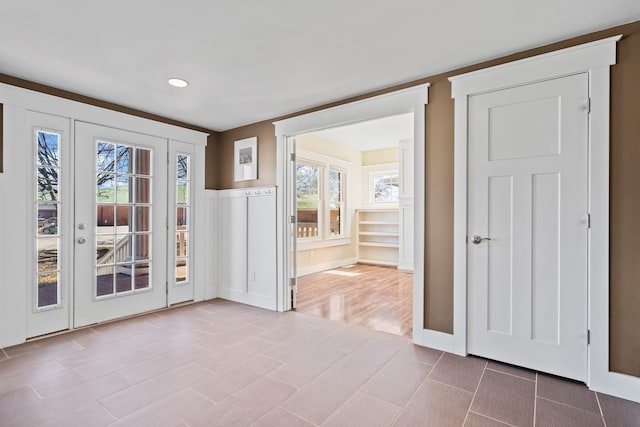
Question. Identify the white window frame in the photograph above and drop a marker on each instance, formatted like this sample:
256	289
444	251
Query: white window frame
391	168
326	164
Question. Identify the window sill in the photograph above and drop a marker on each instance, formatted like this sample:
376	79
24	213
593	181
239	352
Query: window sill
316	244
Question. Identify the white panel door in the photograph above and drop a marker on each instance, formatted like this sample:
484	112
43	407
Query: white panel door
527	285
120	223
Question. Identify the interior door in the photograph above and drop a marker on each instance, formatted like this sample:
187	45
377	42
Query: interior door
528	225
292	199
120	223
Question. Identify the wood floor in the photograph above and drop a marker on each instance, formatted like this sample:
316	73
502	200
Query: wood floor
375	297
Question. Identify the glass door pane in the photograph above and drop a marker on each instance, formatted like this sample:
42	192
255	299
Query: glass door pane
120	219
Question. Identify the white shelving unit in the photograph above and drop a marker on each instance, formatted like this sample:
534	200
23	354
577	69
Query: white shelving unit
378	236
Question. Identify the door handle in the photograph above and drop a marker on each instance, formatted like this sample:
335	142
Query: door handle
477	239
82	240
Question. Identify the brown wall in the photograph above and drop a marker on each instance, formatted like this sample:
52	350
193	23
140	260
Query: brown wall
265	132
625	196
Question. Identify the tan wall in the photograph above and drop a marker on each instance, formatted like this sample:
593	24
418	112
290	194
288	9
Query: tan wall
379	157
625	197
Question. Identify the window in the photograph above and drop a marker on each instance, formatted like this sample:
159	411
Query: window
320	198
385	187
183	208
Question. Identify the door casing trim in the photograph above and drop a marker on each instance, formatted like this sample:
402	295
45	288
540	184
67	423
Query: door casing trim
594	58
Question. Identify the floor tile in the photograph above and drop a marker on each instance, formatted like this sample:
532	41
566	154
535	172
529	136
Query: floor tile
220	386
168	411
436	404
554	414
397	380
14	401
308	366
68	401
348	338
512	370
136	397
619	412
476	420
244	407
148	368
364	410
51	384
458	371
91	415
281	418
317	400
218	361
506	398
420	354
567	392
370	356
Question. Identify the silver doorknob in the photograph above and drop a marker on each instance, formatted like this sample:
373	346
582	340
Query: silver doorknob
82	226
82	240
477	239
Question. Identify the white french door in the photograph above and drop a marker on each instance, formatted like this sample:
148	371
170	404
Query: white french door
528	225
119	223
180	228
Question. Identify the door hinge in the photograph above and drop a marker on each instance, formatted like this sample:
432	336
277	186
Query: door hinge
588	336
293	157
167	157
588	220
588	105
292	282
292	219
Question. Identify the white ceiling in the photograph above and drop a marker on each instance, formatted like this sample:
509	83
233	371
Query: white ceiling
252	61
372	134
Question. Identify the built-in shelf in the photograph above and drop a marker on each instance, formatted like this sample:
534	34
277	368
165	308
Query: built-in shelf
378	236
378	233
380	245
378	223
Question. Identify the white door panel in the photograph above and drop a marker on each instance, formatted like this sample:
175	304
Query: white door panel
233	222
120	223
261	262
528	193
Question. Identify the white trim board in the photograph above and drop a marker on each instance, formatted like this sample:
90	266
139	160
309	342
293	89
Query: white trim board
413	100
594	58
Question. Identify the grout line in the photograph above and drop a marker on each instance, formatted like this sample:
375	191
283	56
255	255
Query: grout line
535	401
452	386
494	419
202	395
426	377
34	390
567	405
5	353
512	375
486	363
604	421
106	409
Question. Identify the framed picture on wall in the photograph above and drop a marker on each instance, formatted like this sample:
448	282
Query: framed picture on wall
246	159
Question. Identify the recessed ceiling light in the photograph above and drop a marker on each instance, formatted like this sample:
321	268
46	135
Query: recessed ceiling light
178	82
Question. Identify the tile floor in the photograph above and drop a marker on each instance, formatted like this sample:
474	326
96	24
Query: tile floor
220	363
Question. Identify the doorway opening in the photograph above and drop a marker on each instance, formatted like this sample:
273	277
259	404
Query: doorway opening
354	223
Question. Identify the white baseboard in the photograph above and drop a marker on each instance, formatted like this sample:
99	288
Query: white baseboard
619	385
303	271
